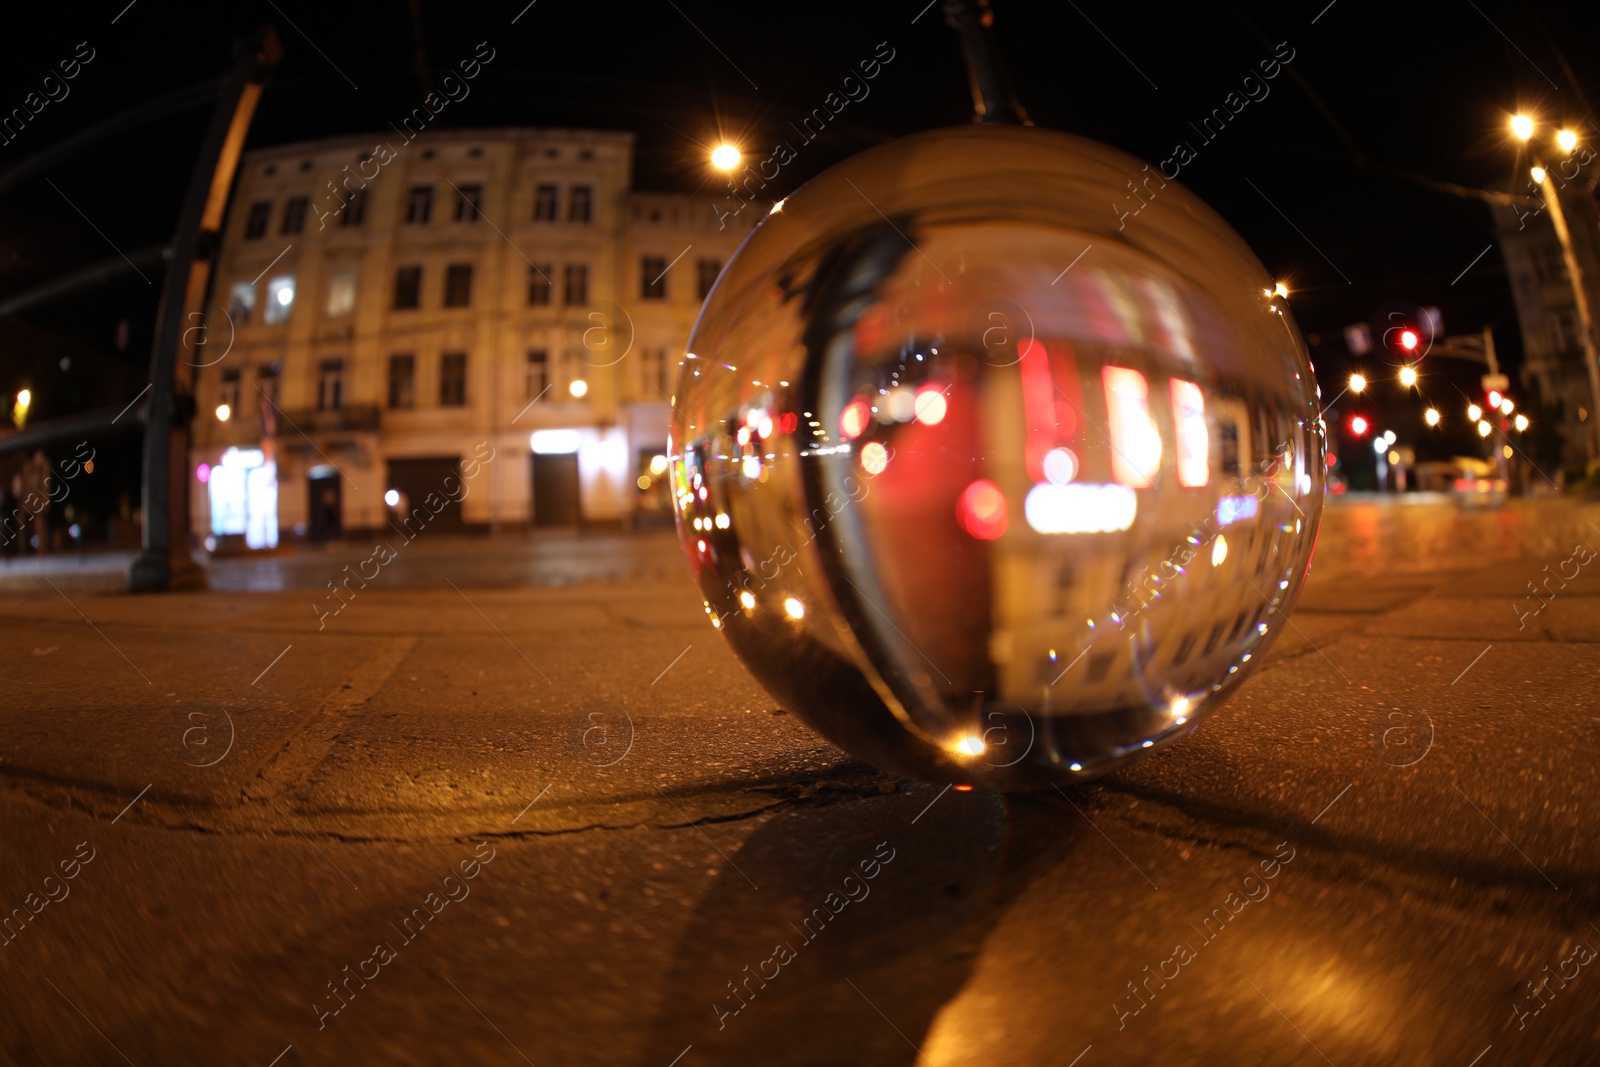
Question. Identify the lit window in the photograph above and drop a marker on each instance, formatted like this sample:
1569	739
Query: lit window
341	291
1193	439
241	303
280	300
538	374
576	292
1135	441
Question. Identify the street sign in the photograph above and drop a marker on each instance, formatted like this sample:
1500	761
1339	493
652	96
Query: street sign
1497	382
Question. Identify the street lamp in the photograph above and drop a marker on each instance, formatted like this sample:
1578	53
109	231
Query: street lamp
224	413
1507	407
1357	383
1539	175
725	156
578	388
1431	417
1567	140
1521	423
1522	126
1484	429
19	410
1281	289
1474	412
1408	376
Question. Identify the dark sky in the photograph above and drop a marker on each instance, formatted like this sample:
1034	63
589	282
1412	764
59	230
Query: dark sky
1412	86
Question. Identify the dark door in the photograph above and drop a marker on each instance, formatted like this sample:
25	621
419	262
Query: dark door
434	485
555	489
326	510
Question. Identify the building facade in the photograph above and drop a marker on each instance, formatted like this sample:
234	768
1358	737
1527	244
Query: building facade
1554	361
486	324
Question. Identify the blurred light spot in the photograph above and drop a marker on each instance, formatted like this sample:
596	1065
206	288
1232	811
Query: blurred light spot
1219	551
982	510
874	457
931	406
1080	508
794	608
1060	465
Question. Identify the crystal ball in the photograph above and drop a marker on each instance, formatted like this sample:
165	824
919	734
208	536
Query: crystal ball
996	457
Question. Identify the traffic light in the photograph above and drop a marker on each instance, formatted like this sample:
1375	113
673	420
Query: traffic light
1358	425
1409	340
1495	399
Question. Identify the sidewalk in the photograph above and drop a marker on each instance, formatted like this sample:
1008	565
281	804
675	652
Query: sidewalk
269	796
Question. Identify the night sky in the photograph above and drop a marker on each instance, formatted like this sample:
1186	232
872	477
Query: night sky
1372	90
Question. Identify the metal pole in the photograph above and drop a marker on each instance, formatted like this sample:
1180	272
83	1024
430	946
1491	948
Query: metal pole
993	100
166	441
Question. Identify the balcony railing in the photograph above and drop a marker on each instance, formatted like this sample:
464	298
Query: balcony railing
347	419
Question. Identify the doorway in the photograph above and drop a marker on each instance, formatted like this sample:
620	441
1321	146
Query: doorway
326	507
555	489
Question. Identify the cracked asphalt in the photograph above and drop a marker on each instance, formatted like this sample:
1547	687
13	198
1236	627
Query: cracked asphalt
282	819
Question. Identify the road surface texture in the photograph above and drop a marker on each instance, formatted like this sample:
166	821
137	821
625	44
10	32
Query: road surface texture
522	806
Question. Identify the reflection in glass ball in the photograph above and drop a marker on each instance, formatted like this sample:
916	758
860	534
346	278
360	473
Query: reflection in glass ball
995	457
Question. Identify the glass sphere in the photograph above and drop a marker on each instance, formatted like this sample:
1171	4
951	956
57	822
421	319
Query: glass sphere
996	457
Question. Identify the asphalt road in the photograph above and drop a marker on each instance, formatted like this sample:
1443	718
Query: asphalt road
512	823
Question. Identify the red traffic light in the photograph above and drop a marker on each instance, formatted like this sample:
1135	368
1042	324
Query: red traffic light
1358	425
1495	400
1409	340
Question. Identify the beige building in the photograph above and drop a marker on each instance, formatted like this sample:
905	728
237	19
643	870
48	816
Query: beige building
387	314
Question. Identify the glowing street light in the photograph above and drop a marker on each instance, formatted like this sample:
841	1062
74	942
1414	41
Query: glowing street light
1567	140
1538	175
1521	423
1431	416
1484	429
224	413
1357	383
1408	376
1507	407
19	410
1474	412
1281	289
1522	127
725	156
579	388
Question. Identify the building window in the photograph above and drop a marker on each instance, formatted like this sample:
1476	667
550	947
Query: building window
403	380
576	291
407	288
580	203
538	374
294	215
267	378
706	276
453	380
330	385
544	204
228	391
280	300
255	226
355	209
419	205
341	291
458	285
653	277
539	284
242	303
470	203
654	379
